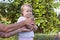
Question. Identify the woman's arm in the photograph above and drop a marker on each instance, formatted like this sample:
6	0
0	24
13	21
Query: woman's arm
11	27
6	35
2	27
15	26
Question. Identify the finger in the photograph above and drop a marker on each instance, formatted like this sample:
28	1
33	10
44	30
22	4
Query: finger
28	26
25	29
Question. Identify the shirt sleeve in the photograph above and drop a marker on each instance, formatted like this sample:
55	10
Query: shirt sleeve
21	19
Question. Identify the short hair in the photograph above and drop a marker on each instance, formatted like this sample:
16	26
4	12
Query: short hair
29	5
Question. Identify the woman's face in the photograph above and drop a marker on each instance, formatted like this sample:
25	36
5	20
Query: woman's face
27	11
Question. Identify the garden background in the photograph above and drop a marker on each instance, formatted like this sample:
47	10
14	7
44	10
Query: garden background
45	18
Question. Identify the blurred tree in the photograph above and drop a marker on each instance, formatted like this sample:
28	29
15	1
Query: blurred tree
45	17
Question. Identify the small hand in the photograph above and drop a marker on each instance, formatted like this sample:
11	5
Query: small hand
29	21
32	27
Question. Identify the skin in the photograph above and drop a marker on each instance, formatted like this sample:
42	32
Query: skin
15	26
26	13
6	35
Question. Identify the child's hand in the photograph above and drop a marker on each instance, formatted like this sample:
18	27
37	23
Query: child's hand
29	21
32	27
35	27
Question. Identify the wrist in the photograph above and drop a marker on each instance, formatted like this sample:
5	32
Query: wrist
18	30
24	22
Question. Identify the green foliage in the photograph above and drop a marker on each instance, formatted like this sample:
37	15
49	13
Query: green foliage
45	37
56	5
11	38
37	37
45	17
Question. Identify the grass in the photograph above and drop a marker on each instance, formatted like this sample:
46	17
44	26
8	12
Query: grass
45	36
37	37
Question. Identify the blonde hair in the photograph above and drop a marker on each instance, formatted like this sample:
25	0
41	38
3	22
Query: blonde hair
29	5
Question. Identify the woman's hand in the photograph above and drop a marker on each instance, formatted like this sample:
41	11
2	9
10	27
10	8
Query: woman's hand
24	29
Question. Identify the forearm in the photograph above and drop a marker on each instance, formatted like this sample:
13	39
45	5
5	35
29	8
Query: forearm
15	26
6	35
2	34
2	27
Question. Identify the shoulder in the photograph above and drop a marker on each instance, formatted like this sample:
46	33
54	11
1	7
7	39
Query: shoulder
21	19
